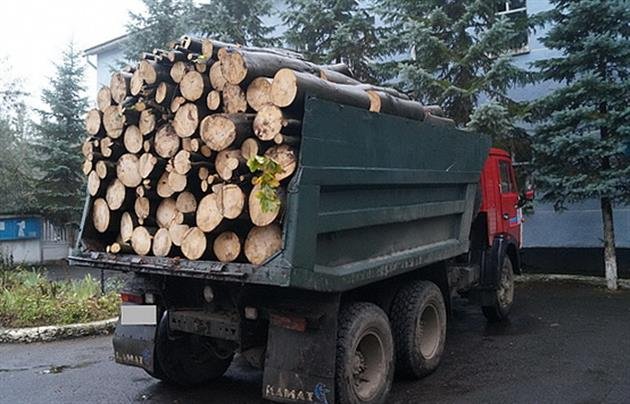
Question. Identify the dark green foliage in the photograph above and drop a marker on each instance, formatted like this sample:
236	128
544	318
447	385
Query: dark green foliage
15	181
585	125
333	31
237	21
59	187
453	53
164	21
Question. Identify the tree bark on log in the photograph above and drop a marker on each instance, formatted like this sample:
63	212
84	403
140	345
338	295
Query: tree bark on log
227	246
221	131
387	104
262	243
153	72
438	120
270	121
290	87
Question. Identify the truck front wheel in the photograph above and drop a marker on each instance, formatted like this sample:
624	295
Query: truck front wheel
187	359
501	299
418	316
365	355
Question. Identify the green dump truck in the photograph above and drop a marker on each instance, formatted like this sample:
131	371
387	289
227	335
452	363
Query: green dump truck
382	226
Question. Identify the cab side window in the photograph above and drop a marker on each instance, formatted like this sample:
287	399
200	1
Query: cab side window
505	172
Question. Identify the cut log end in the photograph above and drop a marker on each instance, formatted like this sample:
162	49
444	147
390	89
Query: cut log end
186	120
209	213
234	99
126	227
259	93
194	244
227	246
162	243
93	121
262	243
141	240
257	214
284	88
100	215
127	170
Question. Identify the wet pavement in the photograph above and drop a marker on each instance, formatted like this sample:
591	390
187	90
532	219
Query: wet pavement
565	343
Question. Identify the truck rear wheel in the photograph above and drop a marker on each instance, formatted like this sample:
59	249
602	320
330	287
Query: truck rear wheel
502	298
418	317
188	359
365	355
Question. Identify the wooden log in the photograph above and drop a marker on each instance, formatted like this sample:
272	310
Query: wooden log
166	212
387	90
290	87
132	139
262	243
259	93
127	223
166	141
221	131
177	102
191	44
177	182
286	157
119	86
250	148
213	100
147	121
103	98
148	164
118	247
186	202
211	48
234	99
288	140
194	85
105	170
240	66
163	189
270	121
87	166
209	213
217	80
385	103
227	246
434	110
118	196
438	120
176	56
87	147
101	215
231	200
136	83
257	214
165	93
113	121
228	162
127	170
336	77
144	208
186	121
178	71
194	244
95	186
153	72
141	239
93	122
111	149
205	150
177	233
184	161
162	243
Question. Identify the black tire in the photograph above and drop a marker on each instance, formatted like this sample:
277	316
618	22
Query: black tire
187	359
502	298
418	317
365	355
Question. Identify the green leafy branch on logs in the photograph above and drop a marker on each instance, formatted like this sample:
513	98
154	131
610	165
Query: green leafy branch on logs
267	181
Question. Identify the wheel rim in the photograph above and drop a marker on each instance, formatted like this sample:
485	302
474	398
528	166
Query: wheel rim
505	293
428	335
368	366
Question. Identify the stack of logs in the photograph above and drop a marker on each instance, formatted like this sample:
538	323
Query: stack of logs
168	146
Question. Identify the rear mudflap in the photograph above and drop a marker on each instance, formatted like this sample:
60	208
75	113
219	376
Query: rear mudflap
134	345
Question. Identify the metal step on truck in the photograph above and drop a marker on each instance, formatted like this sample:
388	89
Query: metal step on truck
386	219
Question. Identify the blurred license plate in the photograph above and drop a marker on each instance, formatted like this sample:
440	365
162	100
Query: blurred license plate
131	314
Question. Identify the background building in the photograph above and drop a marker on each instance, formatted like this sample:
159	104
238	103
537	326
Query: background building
32	239
569	241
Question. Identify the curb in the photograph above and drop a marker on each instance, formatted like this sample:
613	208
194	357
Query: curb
56	332
586	280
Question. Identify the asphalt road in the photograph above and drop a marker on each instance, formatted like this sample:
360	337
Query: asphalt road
565	343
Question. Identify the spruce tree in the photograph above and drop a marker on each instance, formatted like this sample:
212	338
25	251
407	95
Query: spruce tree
237	21
334	31
162	22
59	186
453	53
585	125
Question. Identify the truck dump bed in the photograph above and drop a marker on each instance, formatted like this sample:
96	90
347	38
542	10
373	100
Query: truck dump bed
374	196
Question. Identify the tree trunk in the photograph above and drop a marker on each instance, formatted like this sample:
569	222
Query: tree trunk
166	213
153	72
127	224
257	214
136	83
387	104
118	196
231	200
101	215
221	131
213	100
93	122
186	202
178	71
262	243
165	93
227	162
163	189
177	233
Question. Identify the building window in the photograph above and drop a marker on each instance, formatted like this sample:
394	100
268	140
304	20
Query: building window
516	11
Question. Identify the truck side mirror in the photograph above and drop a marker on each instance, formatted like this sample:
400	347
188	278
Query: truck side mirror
529	194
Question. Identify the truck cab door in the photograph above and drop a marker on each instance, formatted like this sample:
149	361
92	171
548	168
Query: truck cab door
510	212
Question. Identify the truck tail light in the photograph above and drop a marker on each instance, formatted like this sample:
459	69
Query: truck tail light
131	298
289	322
